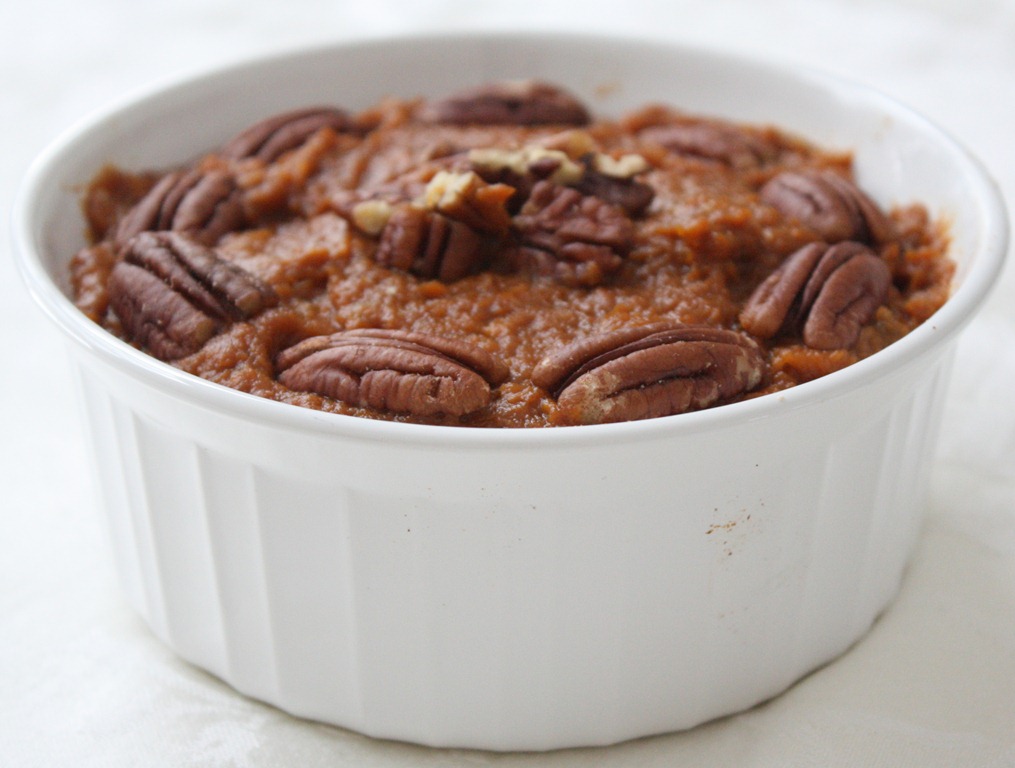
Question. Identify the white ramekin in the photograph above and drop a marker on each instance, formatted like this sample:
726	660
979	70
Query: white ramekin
512	589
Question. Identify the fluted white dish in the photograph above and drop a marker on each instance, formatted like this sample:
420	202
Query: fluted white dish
512	589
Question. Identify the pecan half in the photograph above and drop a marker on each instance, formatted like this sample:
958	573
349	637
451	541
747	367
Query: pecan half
507	102
650	371
172	294
203	204
834	207
710	141
269	139
579	239
396	371
825	292
428	244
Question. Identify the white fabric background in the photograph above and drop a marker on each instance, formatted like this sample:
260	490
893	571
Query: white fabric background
82	681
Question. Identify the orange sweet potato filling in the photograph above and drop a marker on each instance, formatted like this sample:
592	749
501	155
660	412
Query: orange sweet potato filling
700	249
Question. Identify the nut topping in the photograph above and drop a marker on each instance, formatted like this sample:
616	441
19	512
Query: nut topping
508	102
505	217
828	292
709	141
579	239
269	139
428	244
203	204
593	173
511	165
397	371
465	197
371	216
650	371
172	293
522	169
441	235
623	167
613	180
834	207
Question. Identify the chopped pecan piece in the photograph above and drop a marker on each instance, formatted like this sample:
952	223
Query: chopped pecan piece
269	139
465	197
831	205
203	204
650	371
710	141
574	142
592	173
508	102
172	293
522	168
529	162
428	244
371	216
397	371
579	239
825	292
613	180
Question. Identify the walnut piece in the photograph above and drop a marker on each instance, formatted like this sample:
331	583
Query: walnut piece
269	139
395	371
831	205
578	239
172	293
203	204
650	371
826	292
508	102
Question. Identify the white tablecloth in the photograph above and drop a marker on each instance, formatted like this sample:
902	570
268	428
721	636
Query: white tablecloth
82	681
